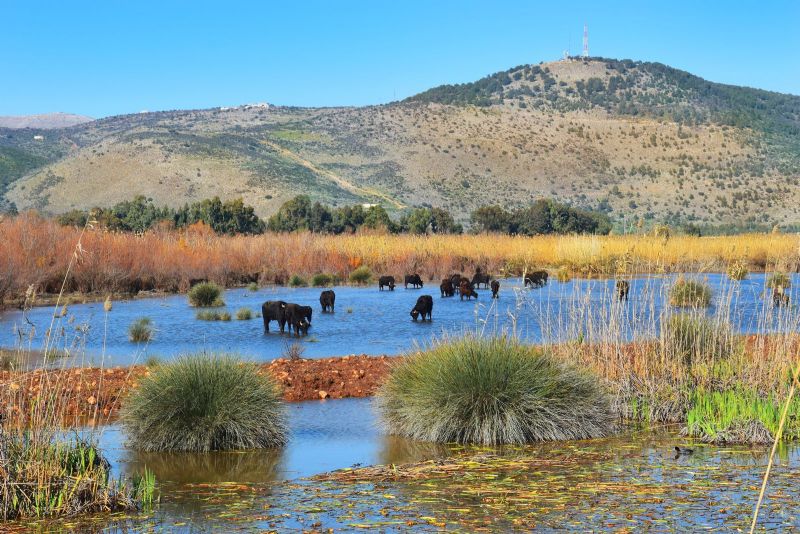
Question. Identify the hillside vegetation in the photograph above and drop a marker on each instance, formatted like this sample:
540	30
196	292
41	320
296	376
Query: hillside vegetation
641	141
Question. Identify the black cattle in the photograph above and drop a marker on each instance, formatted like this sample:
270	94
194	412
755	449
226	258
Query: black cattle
623	288
424	306
495	288
466	290
414	280
447	288
274	310
480	278
386	281
779	298
536	279
299	318
455	279
327	299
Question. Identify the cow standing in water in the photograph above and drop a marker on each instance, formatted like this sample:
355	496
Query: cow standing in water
274	310
536	279
447	289
623	288
386	281
466	290
299	318
480	278
424	306
495	285
414	280
327	299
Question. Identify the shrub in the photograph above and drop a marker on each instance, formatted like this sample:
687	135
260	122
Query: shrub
205	402
322	280
293	351
737	271
779	281
141	330
361	275
692	339
244	314
297	281
492	391
206	295
690	294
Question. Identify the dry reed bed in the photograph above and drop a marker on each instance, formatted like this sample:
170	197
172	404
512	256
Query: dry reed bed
36	253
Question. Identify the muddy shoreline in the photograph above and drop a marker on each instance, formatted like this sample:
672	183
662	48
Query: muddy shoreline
92	392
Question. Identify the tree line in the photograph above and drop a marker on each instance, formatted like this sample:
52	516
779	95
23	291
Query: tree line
301	213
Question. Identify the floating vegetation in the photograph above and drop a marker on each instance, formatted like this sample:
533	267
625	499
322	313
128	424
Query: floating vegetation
492	391
206	295
688	293
205	402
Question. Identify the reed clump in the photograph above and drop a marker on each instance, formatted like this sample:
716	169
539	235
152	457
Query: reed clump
737	271
206	295
688	293
492	391
779	281
692	338
244	314
205	402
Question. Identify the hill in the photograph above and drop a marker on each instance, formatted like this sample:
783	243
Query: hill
45	121
638	140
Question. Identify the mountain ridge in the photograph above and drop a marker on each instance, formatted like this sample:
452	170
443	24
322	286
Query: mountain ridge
639	140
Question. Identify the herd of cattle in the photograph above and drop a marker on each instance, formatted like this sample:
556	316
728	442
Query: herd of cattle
298	317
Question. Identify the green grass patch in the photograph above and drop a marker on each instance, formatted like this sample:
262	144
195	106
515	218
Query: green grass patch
322	280
492	391
739	416
244	314
206	295
205	402
297	281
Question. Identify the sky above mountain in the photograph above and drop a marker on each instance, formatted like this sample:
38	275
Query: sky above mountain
108	58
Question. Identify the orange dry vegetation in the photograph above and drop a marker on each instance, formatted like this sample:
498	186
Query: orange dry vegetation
37	251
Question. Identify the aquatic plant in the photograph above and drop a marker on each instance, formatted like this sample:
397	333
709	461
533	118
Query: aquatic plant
692	338
492	391
252	287
224	316
141	331
737	271
739	415
206	295
361	275
688	293
322	280
244	314
45	477
297	281
563	275
205	402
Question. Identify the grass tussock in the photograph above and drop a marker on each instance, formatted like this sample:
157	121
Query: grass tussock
693	338
205	402
492	391
252	287
687	293
563	275
212	315
141	331
297	281
244	314
737	271
206	295
779	281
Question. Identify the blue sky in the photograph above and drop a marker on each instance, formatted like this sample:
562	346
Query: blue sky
110	57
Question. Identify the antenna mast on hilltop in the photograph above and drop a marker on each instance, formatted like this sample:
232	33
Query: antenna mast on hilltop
585	40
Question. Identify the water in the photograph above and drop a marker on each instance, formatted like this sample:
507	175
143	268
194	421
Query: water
629	481
369	321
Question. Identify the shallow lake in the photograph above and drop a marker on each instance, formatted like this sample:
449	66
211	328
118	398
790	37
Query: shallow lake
369	321
630	481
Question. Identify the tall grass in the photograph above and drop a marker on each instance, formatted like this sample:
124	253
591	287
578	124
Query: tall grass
141	330
37	252
492	391
205	402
